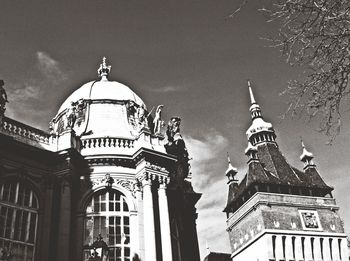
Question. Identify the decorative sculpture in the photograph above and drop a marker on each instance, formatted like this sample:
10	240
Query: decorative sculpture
177	147
3	98
71	116
142	117
158	123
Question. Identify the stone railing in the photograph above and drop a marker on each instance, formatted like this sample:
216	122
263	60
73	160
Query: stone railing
15	128
107	142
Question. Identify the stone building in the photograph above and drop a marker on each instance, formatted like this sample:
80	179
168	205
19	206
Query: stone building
277	212
104	184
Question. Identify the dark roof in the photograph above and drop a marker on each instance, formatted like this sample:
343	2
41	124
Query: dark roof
271	168
213	256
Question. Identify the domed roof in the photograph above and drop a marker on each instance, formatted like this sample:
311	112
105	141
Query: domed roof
102	108
102	90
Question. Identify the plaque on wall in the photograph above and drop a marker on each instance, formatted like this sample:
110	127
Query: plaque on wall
310	220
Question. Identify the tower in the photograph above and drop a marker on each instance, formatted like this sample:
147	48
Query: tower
105	183
278	212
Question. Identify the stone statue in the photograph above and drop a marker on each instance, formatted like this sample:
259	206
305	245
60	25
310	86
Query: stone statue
52	127
3	98
173	129
176	146
141	116
71	116
157	121
131	107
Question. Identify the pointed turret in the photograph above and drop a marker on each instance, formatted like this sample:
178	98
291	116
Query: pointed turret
104	70
306	157
251	152
268	170
260	130
231	171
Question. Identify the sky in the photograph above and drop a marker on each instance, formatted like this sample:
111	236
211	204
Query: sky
187	55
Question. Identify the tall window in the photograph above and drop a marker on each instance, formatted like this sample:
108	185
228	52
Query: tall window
108	214
18	221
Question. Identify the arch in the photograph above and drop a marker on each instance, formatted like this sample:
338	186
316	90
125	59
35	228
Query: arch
26	179
107	216
87	196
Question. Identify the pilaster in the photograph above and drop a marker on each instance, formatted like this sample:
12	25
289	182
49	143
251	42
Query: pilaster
164	222
148	214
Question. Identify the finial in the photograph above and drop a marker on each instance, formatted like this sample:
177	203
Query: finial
104	69
302	142
306	156
252	99
231	171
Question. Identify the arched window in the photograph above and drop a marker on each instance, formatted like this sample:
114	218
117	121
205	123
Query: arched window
18	221
108	214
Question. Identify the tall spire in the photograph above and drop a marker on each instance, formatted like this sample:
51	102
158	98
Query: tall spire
252	99
104	70
260	131
255	110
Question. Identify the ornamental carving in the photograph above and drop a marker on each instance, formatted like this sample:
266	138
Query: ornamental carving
310	220
127	184
156	167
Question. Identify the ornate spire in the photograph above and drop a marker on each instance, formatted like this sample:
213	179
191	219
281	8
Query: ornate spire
104	70
231	171
254	108
260	130
306	157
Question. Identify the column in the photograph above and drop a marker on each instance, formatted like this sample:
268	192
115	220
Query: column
79	233
279	248
335	249
164	223
298	249
148	215
289	248
308	249
64	222
134	233
317	251
344	249
326	250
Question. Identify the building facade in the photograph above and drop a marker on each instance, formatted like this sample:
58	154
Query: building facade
277	212
103	184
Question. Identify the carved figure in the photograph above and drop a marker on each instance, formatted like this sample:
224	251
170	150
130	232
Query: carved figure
177	147
71	116
3	98
141	116
131	108
173	128
158	123
52	127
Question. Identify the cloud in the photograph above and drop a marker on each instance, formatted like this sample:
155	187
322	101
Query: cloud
166	89
208	167
30	97
49	67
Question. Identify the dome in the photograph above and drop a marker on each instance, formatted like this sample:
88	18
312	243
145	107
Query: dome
102	90
102	108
